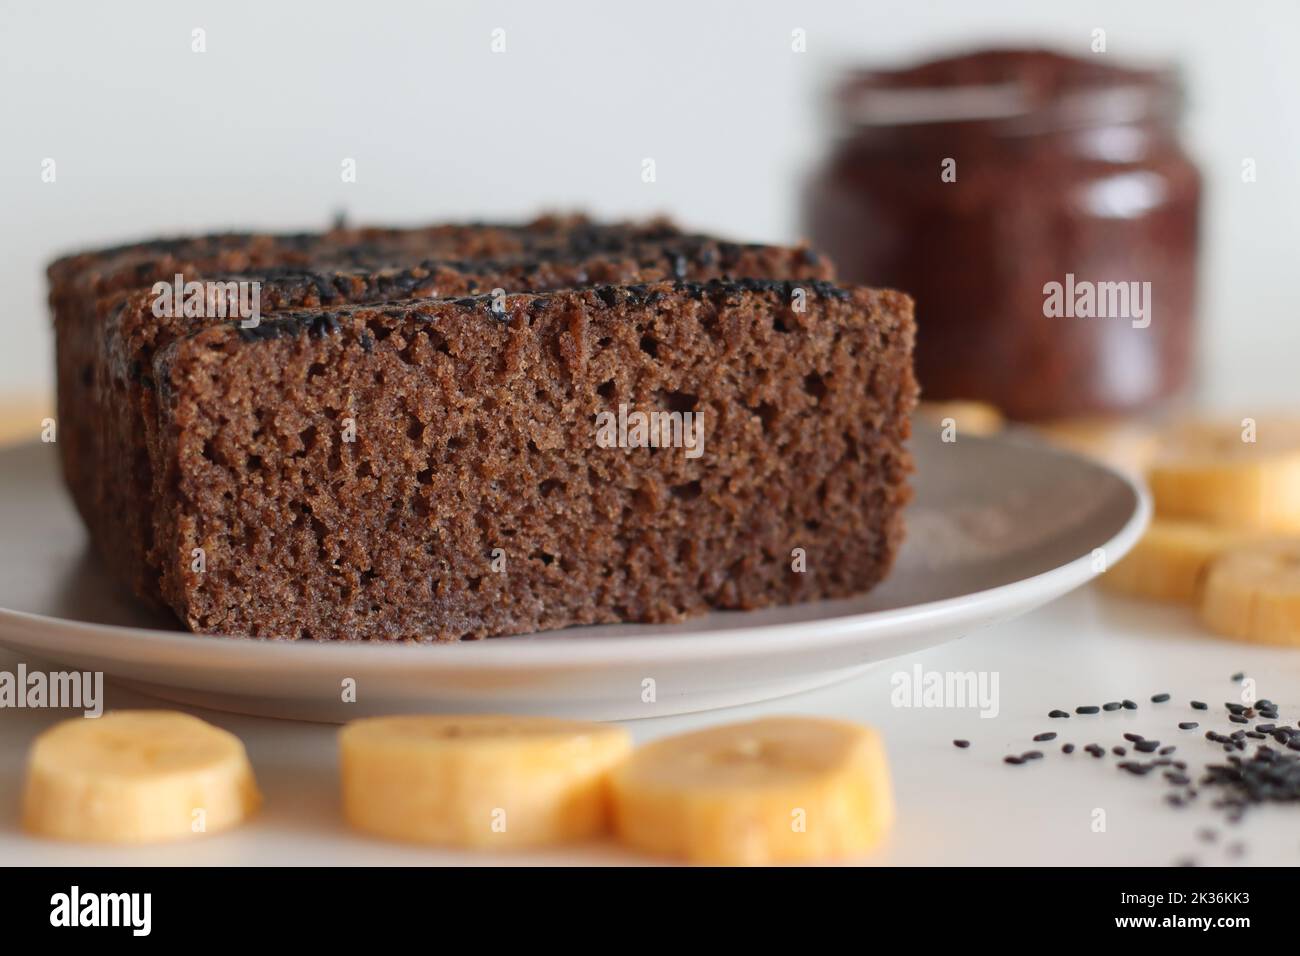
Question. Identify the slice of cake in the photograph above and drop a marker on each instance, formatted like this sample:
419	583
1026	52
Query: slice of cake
485	465
108	326
466	430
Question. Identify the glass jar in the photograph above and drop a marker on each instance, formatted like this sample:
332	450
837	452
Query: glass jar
1041	211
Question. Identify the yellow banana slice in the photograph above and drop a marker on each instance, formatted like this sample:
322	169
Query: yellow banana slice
479	781
781	789
1215	473
1253	593
1169	563
967	418
136	776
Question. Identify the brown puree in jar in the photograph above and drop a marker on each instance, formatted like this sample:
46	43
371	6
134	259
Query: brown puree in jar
976	182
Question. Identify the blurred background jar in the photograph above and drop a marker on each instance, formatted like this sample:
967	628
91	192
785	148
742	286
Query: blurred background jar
975	182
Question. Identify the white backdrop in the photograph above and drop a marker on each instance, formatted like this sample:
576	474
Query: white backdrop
149	137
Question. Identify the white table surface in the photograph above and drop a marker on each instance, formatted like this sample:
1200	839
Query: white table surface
955	806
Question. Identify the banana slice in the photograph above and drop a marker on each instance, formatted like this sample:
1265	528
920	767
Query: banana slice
1209	472
1169	563
1253	593
479	781
136	776
781	789
968	418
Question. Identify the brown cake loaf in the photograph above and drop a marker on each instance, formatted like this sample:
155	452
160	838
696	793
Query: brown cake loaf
86	288
107	332
447	468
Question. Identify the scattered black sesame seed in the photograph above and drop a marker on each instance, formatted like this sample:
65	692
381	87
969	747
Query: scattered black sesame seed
1188	725
1166	751
1159	698
1112	705
1012	759
1266	728
1146	746
1087	709
1200	705
963	744
1118	751
1238	719
1038	738
1067	748
1132	738
1129	705
1238	677
1057	713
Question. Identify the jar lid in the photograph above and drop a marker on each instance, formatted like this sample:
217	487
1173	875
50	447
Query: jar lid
1014	91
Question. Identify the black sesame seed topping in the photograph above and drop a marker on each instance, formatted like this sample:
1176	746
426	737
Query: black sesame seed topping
1057	713
1129	705
963	744
1045	736
1067	748
1200	705
1087	709
1188	725
1111	705
1159	698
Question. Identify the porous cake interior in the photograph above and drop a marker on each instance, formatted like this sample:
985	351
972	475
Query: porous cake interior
431	470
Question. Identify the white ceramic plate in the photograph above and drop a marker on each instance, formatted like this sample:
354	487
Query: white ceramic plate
999	526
